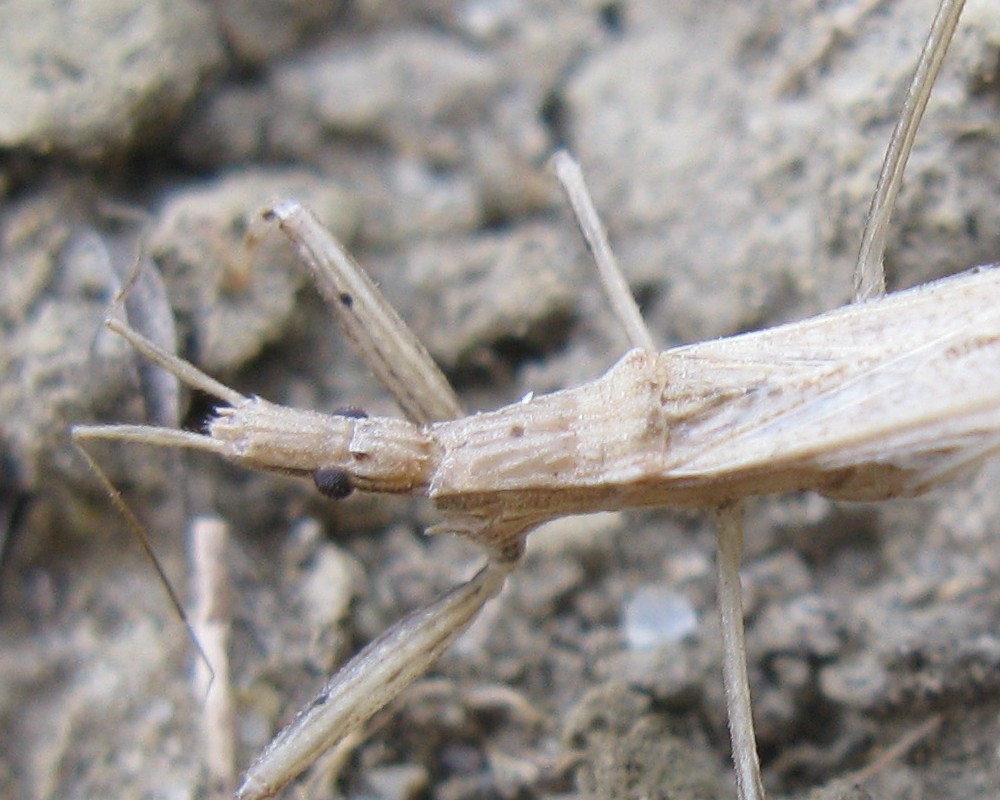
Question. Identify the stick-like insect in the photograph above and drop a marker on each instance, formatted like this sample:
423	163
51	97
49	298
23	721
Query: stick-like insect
885	398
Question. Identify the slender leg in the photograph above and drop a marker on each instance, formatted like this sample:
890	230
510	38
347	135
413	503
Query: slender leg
869	272
615	286
386	344
734	660
370	680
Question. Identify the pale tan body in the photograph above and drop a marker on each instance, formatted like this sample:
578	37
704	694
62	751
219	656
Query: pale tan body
889	397
885	398
841	404
876	400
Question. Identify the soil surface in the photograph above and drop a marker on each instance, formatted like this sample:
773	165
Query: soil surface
731	149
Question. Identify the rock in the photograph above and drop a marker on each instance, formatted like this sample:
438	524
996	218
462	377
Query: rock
90	80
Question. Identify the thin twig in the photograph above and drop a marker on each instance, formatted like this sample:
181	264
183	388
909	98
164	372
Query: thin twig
211	620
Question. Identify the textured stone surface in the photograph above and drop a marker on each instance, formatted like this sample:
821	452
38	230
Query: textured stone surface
91	80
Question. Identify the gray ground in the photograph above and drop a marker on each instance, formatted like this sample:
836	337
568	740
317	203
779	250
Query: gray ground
731	148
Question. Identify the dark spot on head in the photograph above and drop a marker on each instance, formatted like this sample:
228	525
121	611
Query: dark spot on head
333	483
517	431
346	299
350	411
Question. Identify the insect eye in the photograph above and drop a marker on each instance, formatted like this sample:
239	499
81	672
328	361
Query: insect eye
333	483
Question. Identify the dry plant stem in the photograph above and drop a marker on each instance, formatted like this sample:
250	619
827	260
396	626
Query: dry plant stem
623	304
370	680
734	661
211	620
869	272
384	341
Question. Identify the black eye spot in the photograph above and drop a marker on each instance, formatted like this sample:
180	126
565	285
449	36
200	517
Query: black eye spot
346	299
333	483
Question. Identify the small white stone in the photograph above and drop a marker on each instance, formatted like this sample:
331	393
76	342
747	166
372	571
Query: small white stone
656	615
